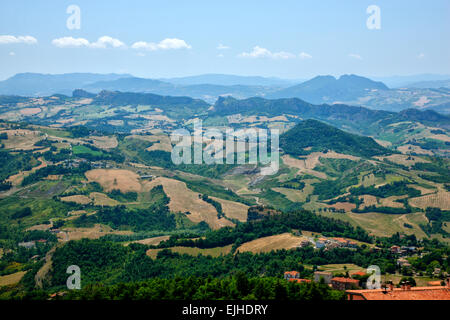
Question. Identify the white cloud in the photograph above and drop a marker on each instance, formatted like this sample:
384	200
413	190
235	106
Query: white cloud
101	43
166	44
259	52
421	56
222	47
106	41
70	42
304	55
355	56
7	39
220	55
12	53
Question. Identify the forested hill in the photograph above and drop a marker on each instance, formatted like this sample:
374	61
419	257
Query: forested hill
322	137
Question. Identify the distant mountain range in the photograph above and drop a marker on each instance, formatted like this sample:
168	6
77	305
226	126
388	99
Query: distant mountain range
232	80
348	89
431	84
37	84
328	89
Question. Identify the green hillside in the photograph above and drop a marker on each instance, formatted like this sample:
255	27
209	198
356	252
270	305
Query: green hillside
322	137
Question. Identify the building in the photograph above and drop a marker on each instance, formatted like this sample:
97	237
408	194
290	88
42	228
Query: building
299	280
404	293
327	276
395	249
291	275
340	283
320	243
359	274
28	245
304	243
402	262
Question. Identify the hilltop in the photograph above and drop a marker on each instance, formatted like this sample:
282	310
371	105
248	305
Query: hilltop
328	89
317	136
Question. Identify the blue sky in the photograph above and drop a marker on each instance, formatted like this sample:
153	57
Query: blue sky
289	39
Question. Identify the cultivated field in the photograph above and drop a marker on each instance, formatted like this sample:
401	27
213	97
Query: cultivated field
104	142
214	252
21	139
437	200
18	178
90	233
150	241
267	244
182	199
11	278
110	179
234	210
79	199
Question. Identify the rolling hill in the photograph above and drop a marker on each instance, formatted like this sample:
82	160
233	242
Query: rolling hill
320	137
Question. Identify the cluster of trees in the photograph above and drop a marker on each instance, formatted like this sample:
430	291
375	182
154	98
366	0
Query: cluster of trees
55	170
156	217
437	219
214	203
387	210
397	188
109	262
272	225
439	166
323	137
4	186
13	163
118	195
237	287
295	183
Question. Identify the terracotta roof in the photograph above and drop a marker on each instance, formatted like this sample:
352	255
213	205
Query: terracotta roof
346	280
415	293
300	280
434	283
359	273
292	273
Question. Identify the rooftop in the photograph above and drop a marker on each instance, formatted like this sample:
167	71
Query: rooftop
346	280
415	293
300	280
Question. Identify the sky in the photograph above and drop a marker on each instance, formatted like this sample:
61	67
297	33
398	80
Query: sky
289	39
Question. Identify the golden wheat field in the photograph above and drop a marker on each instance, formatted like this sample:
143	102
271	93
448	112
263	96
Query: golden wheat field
183	199
267	244
110	179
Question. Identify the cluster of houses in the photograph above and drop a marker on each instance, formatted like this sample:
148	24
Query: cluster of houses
403	250
354	287
31	244
332	243
338	283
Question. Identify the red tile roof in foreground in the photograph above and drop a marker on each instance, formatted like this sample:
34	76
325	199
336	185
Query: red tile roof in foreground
415	293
